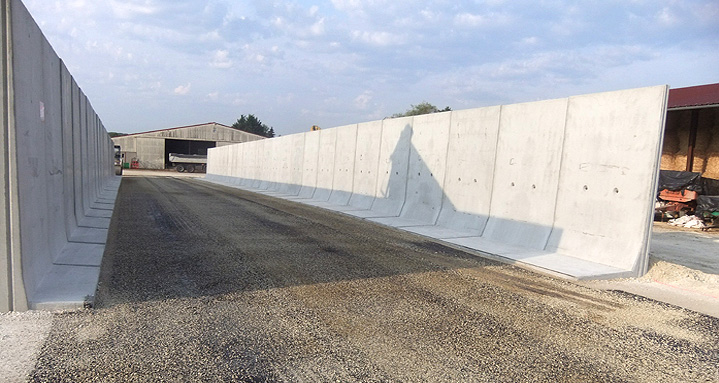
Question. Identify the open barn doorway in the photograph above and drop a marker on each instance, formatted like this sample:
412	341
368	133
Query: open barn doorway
186	147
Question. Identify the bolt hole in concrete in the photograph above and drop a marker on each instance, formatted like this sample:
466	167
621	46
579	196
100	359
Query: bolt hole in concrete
616	190
586	187
512	183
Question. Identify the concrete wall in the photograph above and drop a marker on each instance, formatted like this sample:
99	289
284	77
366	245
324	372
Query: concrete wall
565	185
58	180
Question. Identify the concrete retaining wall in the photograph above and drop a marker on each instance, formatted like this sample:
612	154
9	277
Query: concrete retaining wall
58	178
565	185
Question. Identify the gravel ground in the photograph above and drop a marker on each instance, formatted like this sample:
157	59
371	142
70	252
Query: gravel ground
21	336
206	283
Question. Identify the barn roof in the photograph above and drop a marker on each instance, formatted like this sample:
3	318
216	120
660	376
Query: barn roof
694	96
214	124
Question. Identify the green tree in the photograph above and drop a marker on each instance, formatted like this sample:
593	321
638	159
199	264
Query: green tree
116	134
422	108
252	124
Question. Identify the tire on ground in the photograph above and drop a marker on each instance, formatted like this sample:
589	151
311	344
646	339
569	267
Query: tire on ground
180	168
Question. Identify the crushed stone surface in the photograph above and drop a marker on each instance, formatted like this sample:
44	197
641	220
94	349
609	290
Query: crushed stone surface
205	283
21	336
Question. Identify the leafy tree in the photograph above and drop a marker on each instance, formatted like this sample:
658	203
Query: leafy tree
252	124
422	108
116	134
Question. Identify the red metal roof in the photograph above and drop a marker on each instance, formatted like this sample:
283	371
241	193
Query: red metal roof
699	95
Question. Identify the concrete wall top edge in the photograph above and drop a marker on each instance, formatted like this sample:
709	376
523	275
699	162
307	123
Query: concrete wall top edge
408	119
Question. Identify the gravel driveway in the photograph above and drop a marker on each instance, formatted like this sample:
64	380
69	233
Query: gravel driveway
206	283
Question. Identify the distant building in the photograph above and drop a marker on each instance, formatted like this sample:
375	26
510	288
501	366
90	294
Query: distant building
152	149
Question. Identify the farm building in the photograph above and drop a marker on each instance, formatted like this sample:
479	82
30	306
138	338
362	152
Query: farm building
152	149
691	135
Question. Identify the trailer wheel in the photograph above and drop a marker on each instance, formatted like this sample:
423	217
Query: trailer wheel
204	168
190	169
180	168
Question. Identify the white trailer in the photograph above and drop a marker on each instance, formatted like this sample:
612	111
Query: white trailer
188	162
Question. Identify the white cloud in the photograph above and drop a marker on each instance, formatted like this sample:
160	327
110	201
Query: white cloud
666	17
530	40
378	38
126	9
318	28
220	59
183	90
362	101
471	20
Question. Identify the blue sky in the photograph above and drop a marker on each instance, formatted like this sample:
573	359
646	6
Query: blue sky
154	64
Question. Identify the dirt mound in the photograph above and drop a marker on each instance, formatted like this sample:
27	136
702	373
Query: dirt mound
682	277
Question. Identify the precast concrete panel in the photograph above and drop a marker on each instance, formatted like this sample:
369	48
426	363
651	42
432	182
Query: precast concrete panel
279	155
526	173
283	151
283	154
92	151
238	167
77	152
218	162
344	163
249	158
285	144
232	155
233	158
36	114
325	164
6	280
213	162
52	170
261	157
470	172
293	182
225	158
427	164
309	165
392	169
607	178
277	152
269	164
85	154
217	166
366	161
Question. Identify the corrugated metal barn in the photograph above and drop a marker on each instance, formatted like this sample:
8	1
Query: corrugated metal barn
152	149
